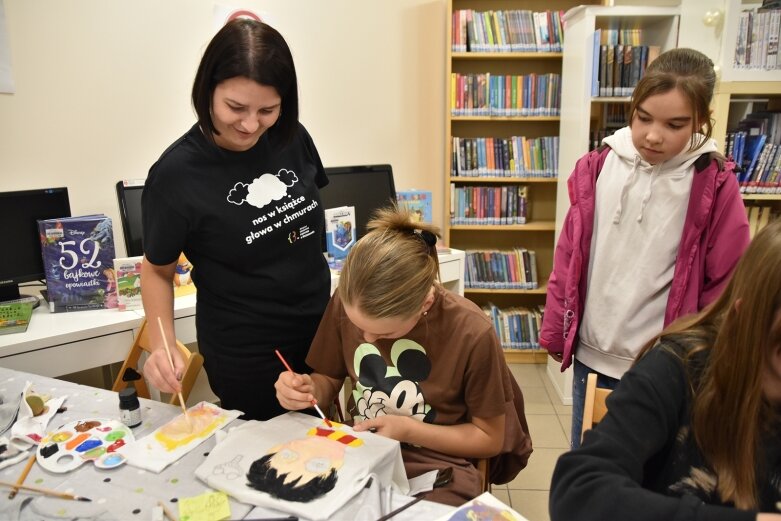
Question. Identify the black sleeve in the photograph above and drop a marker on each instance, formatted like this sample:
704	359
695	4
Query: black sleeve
602	479
164	228
321	179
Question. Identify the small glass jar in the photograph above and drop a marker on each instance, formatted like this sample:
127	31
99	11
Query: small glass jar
129	407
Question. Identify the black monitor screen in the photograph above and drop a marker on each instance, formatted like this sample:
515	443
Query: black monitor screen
19	213
367	188
129	196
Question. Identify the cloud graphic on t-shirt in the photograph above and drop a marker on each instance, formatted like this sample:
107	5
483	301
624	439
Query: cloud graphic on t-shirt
287	176
238	193
264	189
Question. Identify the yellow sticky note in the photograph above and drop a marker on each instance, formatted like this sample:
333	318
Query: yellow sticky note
211	506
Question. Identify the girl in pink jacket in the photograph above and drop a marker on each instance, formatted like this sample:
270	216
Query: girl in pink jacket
655	237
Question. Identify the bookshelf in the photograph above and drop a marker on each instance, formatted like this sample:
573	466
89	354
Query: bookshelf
537	232
582	113
741	91
732	101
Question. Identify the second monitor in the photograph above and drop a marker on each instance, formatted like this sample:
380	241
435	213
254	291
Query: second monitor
366	187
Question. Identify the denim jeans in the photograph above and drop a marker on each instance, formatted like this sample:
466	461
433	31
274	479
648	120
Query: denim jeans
581	371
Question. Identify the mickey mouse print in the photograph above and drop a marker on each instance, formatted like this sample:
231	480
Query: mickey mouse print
392	389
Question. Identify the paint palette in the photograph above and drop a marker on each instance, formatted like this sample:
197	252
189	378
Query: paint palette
77	442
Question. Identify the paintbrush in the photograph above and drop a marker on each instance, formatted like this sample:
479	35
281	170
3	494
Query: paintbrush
171	361
400	509
23	475
166	512
314	402
45	491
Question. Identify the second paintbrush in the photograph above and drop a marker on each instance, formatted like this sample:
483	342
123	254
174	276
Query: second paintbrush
314	403
45	491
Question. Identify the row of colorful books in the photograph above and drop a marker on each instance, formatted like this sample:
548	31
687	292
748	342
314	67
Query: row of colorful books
622	36
488	205
516	327
486	94
763	173
514	30
756	44
516	156
616	69
754	146
493	269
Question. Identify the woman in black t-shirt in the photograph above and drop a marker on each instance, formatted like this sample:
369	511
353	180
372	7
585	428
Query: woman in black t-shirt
238	194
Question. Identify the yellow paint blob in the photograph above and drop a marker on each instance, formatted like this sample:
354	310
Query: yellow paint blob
178	433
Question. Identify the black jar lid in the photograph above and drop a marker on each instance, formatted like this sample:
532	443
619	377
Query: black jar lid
128	394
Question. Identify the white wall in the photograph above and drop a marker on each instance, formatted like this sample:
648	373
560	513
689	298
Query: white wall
103	87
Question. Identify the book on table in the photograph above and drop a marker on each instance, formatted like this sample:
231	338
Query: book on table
78	254
340	231
128	273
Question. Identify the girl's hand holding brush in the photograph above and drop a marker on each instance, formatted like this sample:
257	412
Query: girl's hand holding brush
296	391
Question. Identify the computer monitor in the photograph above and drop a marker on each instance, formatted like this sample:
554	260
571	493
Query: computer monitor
19	213
367	188
129	198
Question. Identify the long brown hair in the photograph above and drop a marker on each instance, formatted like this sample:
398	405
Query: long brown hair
729	411
689	71
390	271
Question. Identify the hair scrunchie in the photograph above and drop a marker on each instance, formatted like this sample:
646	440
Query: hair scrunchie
429	238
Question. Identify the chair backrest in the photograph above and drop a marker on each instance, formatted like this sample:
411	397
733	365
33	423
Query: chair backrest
130	373
595	408
483	466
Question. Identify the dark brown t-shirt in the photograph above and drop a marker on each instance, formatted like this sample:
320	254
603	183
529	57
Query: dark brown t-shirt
446	370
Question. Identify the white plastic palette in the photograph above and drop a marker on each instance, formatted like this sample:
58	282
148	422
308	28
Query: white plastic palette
80	441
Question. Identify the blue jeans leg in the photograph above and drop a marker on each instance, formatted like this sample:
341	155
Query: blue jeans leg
581	372
578	400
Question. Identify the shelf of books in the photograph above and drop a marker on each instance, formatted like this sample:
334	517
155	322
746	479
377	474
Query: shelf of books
612	48
504	65
748	125
749	47
605	54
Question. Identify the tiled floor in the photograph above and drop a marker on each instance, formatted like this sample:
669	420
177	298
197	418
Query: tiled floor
549	423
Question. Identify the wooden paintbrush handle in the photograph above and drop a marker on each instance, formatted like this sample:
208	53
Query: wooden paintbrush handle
23	475
46	491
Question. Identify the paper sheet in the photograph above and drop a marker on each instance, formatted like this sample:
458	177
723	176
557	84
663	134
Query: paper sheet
176	438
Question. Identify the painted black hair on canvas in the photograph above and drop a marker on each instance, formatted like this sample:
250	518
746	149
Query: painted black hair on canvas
262	476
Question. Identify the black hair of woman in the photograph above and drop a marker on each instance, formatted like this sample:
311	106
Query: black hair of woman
254	50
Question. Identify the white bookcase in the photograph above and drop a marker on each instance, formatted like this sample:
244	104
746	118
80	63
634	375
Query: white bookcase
659	26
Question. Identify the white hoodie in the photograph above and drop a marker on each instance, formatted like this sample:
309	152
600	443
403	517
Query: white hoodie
639	214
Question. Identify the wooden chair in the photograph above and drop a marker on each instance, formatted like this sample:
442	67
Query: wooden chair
483	467
130	373
595	408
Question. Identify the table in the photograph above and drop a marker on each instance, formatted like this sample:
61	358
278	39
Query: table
56	344
125	492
